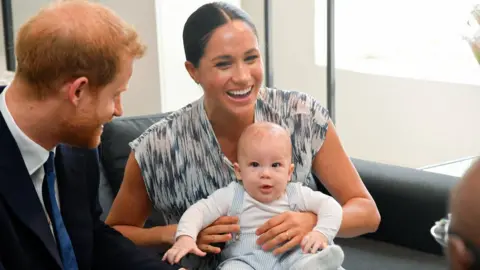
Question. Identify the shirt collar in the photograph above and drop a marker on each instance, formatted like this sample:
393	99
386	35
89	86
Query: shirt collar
33	154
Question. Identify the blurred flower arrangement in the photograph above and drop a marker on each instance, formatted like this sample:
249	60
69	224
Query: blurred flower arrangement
440	231
473	37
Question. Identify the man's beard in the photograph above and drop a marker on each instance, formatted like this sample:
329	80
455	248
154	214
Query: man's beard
85	134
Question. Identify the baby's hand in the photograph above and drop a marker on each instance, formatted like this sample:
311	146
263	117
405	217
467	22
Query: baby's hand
184	244
314	241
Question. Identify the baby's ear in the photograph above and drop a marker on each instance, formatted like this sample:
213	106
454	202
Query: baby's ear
237	171
290	171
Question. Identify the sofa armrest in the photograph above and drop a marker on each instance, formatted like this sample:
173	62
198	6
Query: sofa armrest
409	201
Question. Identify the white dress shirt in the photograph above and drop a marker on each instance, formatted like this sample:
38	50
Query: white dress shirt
33	154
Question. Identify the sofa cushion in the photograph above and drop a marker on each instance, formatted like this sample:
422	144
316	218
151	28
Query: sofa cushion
114	149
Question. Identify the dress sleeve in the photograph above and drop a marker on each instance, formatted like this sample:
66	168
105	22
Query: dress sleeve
318	124
148	154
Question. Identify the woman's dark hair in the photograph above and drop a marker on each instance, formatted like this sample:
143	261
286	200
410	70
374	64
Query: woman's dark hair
200	25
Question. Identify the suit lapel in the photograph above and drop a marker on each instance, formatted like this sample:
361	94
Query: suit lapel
17	189
71	176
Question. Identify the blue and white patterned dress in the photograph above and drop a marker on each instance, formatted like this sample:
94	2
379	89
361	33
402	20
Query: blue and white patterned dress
182	162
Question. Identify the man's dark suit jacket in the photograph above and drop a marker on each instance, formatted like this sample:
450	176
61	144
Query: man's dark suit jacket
26	241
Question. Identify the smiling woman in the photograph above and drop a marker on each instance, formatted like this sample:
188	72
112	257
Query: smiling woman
190	154
225	62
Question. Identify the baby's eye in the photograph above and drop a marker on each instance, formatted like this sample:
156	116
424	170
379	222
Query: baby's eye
276	164
254	164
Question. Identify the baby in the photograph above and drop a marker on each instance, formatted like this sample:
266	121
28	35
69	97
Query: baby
264	170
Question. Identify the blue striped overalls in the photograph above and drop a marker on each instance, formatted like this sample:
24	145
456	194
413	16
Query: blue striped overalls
242	252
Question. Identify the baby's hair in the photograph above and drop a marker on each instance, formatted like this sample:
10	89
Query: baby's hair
260	130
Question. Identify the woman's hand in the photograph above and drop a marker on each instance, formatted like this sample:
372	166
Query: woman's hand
217	232
288	229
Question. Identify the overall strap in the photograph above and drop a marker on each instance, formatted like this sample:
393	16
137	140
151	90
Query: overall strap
237	205
293	195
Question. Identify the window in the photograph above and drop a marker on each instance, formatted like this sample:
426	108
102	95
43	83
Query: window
416	39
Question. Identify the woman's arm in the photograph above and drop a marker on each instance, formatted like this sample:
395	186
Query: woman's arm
132	207
337	173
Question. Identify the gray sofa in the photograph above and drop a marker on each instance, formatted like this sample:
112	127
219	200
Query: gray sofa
409	200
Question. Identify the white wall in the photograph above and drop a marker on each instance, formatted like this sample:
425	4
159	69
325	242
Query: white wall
405	121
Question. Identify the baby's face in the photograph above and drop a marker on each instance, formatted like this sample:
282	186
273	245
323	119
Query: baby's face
265	168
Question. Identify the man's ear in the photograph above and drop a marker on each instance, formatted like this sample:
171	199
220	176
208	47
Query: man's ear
76	90
290	171
192	71
237	171
458	254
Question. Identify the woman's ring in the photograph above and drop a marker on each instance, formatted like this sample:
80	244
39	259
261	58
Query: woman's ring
288	236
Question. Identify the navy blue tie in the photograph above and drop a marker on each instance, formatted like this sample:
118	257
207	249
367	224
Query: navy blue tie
66	249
